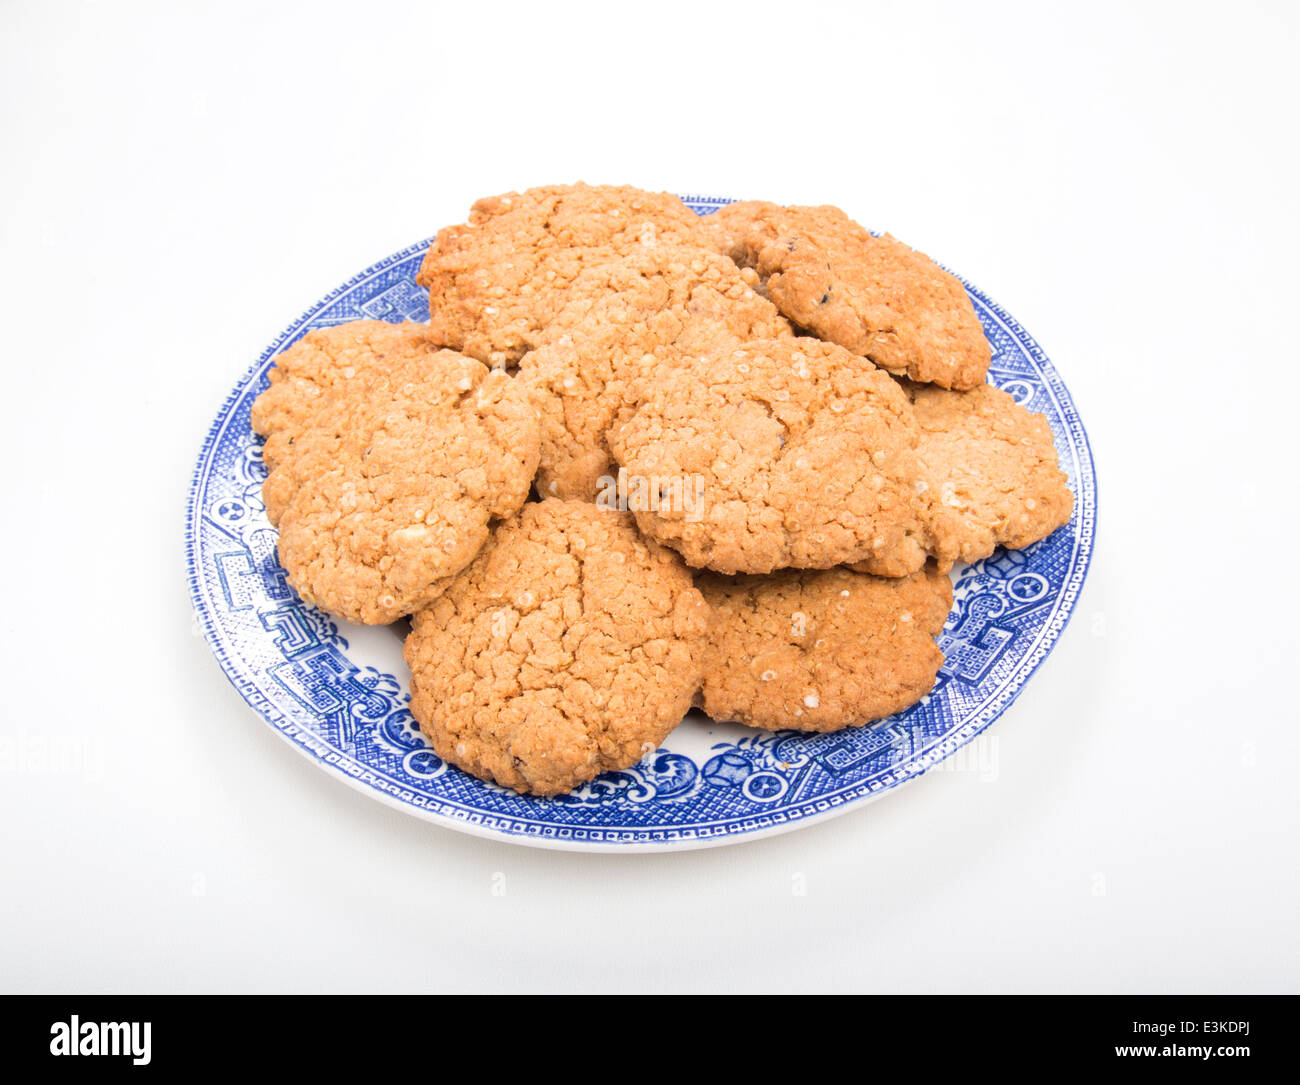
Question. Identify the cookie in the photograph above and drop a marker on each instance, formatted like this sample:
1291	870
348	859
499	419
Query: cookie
496	282
643	316
990	472
313	369
776	453
872	295
570	647
820	650
388	458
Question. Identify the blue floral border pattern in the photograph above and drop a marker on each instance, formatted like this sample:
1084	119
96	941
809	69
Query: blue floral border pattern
291	662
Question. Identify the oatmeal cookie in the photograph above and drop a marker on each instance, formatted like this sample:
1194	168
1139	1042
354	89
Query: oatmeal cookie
308	374
570	647
872	295
388	457
496	282
788	452
646	315
990	472
820	650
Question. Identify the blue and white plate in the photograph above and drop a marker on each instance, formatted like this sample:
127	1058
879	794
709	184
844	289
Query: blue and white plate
338	692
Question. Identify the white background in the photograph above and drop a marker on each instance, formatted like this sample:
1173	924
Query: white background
179	184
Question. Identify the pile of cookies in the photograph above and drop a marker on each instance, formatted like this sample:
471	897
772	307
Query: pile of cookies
639	460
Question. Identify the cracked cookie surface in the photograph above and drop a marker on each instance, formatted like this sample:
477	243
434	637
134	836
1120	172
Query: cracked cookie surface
496	282
570	647
820	650
874	296
991	472
645	316
794	453
387	459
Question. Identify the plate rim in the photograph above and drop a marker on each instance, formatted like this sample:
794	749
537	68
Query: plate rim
863	794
